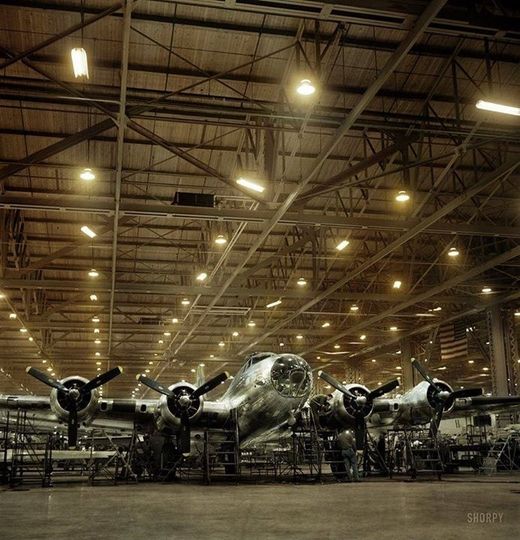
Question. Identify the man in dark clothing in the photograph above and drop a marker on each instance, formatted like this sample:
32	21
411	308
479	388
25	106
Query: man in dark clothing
347	444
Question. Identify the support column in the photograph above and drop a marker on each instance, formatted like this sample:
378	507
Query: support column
407	371
503	351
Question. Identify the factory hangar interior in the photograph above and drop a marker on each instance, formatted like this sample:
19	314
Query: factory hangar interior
243	241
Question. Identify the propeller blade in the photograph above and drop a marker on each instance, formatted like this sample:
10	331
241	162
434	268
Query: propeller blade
467	392
209	385
185	434
46	379
384	389
102	378
359	430
72	426
154	385
462	393
334	383
425	375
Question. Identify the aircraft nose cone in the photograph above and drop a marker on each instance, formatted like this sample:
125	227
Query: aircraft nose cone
444	395
361	400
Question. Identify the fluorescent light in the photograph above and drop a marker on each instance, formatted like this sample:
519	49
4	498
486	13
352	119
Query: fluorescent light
402	196
299	336
393	329
274	304
249	184
487	290
87	174
397	284
326	324
23	330
453	252
342	245
185	302
97	341
305	88
497	107
220	240
79	62
93	297
93	273
88	231
167	334
98	363
202	276
302	282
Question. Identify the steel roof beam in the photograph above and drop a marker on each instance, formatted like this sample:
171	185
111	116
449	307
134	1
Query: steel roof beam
106	207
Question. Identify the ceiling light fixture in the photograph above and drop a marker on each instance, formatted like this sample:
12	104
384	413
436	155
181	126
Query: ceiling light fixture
302	282
12	315
497	107
274	304
354	308
167	333
95	319
342	245
98	354
393	329
93	297
251	323
397	284
88	231
87	174
220	239
97	341
79	62
185	302
402	196
202	276
249	184
487	290
175	320
453	252
362	337
326	324
23	330
221	344
299	336
96	330
93	273
235	334
282	344
305	88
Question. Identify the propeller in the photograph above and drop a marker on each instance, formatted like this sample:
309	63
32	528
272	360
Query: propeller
73	396
443	398
360	402
181	400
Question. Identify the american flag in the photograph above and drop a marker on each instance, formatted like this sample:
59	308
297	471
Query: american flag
454	341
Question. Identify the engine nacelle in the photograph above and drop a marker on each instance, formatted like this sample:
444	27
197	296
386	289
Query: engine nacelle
87	406
170	408
418	404
345	409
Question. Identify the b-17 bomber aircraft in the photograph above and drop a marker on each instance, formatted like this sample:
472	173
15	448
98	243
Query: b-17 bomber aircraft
267	393
357	408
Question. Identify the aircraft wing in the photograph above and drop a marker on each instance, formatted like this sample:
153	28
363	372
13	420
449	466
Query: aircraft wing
483	404
24	402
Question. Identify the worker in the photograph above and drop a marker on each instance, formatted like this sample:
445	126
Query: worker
347	444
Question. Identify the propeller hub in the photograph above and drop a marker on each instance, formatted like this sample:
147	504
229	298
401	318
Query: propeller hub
443	395
184	401
74	394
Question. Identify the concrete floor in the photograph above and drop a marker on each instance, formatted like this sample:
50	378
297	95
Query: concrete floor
372	509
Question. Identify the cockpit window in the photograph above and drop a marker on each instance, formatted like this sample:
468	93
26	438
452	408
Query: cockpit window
254	358
291	376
